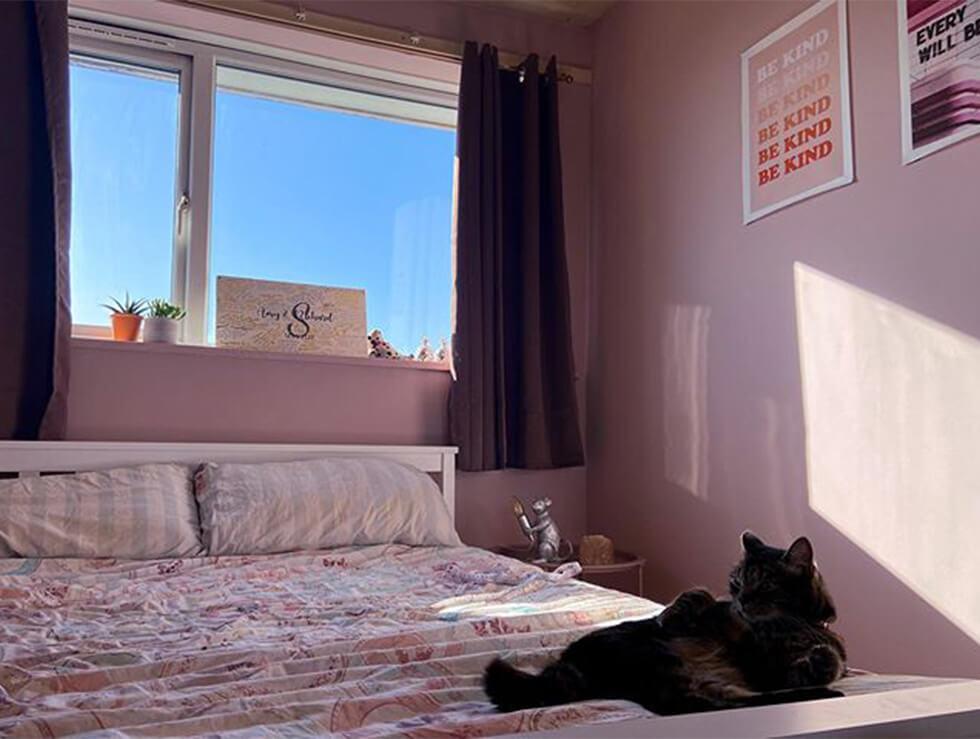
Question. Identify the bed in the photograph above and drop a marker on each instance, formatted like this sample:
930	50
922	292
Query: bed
370	641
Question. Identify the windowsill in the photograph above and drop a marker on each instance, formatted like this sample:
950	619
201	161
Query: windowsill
196	350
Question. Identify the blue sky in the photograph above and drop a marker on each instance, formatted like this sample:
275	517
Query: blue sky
123	148
299	194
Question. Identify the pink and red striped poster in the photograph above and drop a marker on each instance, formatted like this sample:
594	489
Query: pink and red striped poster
939	57
796	112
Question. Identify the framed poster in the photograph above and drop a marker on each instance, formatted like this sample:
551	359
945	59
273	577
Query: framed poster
939	61
796	112
288	317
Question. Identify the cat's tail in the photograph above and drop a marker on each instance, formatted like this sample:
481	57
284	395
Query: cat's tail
510	689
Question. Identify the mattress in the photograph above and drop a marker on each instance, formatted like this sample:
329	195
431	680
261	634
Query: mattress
360	642
365	642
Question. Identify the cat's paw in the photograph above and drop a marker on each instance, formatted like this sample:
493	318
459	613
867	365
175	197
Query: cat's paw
695	600
686	607
825	664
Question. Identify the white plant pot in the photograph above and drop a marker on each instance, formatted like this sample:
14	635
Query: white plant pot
161	331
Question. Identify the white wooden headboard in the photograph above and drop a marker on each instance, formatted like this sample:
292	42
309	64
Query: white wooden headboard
29	458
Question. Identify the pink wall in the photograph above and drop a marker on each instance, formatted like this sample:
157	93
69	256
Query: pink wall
689	299
193	394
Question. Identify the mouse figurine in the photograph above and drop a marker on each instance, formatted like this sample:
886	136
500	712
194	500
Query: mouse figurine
546	542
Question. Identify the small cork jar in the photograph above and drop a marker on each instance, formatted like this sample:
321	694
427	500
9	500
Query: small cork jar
596	549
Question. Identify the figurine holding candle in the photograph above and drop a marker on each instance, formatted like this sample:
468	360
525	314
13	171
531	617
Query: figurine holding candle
546	542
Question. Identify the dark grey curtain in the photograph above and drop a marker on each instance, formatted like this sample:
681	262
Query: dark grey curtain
513	402
35	321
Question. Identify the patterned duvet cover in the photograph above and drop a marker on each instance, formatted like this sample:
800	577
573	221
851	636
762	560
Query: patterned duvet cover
362	642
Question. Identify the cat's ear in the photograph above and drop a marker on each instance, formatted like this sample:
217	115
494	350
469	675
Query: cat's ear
800	554
751	543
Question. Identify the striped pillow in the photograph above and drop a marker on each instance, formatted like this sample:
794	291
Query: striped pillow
145	512
319	504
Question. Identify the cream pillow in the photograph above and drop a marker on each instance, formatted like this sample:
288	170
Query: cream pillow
145	512
319	504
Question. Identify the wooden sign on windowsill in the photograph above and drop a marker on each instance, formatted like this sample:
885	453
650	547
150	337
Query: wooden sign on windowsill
289	317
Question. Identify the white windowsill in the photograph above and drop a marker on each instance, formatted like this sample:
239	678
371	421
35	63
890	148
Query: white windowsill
194	350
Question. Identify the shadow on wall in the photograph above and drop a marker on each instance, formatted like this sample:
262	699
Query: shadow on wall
878	471
891	404
879	474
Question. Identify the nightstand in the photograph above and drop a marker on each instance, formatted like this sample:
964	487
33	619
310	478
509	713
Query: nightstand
625	563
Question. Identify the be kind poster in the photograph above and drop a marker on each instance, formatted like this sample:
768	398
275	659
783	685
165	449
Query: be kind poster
939	58
796	112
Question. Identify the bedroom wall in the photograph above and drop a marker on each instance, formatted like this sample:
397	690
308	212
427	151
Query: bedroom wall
200	394
696	424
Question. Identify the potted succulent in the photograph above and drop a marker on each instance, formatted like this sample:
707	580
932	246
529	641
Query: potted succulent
163	322
127	317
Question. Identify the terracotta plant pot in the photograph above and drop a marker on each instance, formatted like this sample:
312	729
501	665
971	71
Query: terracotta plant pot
161	330
126	326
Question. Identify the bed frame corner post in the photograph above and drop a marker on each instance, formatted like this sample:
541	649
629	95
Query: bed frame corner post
449	481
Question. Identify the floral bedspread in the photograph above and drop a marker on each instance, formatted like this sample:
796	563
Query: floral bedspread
362	642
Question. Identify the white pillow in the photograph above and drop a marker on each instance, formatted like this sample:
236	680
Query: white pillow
145	512
319	504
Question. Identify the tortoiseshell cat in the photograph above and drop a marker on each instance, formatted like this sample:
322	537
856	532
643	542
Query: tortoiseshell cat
700	653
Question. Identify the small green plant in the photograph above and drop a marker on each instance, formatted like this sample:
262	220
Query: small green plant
160	308
127	306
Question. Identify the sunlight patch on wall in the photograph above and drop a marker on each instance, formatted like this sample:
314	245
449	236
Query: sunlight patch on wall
892	407
685	403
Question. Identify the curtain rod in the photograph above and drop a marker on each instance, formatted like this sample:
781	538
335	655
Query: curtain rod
346	28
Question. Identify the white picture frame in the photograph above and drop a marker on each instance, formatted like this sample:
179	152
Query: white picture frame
910	152
750	212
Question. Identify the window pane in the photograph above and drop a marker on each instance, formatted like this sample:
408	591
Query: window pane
124	121
305	191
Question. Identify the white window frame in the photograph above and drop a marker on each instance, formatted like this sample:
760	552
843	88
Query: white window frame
197	62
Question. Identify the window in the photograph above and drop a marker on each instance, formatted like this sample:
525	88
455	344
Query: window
194	160
362	200
124	137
